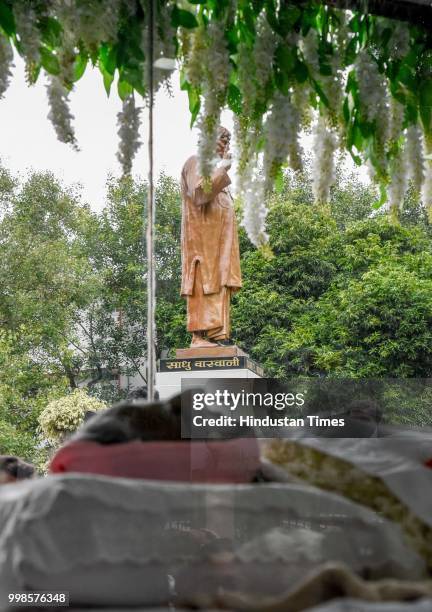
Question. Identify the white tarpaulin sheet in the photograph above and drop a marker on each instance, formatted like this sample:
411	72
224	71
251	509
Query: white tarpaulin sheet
116	541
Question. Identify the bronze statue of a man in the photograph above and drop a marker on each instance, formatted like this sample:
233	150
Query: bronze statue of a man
210	249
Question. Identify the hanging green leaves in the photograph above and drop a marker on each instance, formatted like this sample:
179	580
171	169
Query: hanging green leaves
363	82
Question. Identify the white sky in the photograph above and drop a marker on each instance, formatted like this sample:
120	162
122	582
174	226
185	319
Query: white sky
28	140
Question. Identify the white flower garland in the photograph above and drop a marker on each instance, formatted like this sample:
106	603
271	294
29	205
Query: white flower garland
28	33
6	64
59	114
397	111
246	74
333	85
426	193
414	148
246	137
194	65
163	50
263	53
398	183
323	167
399	40
216	62
372	88
374	99
309	48
281	130
129	123
92	21
301	101
255	210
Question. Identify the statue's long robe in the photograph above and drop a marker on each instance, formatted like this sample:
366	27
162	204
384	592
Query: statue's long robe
210	250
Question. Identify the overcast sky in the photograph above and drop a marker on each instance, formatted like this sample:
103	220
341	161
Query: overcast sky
29	141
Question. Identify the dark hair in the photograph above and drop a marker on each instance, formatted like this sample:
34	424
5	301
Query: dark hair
15	467
140	393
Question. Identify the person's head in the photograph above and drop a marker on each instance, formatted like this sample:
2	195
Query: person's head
140	393
13	469
223	141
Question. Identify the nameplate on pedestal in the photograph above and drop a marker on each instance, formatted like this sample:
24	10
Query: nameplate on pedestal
210	363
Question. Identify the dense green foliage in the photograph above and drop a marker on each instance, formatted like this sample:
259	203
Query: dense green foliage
73	302
340	299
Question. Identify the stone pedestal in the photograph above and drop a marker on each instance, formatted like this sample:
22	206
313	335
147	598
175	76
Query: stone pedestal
212	362
213	351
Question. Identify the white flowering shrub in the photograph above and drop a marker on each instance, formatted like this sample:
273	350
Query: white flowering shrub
66	414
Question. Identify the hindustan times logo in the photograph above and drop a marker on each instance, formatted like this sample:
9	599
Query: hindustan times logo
228	399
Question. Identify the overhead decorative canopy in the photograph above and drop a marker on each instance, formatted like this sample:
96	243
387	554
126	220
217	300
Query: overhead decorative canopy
416	12
359	79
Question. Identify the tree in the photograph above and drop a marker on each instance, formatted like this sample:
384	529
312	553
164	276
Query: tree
25	388
114	326
347	301
43	268
73	308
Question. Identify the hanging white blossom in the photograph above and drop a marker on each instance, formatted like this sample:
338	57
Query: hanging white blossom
372	174
163	49
66	58
255	210
194	66
265	44
323	167
245	141
309	48
6	57
28	33
414	148
246	70
254	70
216	61
374	99
207	126
398	183
333	85
129	123
91	22
399	40
426	193
396	119
281	131
59	114
301	100
217	64
372	88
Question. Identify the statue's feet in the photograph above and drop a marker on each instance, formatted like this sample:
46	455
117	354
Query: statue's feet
199	341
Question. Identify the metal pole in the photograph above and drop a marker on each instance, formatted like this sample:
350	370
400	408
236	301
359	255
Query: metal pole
151	297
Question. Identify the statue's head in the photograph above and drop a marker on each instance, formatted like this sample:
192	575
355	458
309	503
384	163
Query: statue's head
223	140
